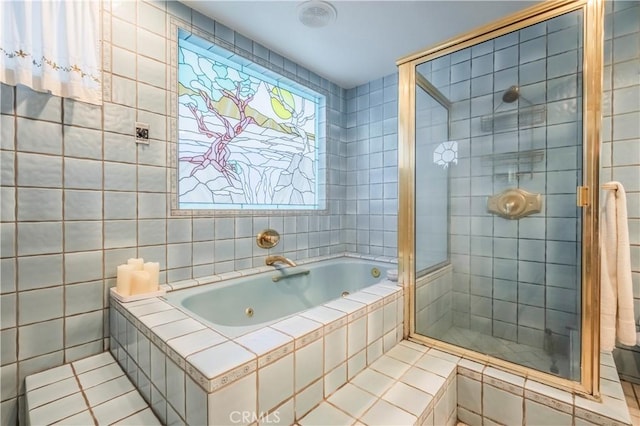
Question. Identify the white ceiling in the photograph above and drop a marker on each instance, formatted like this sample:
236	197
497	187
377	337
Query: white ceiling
367	38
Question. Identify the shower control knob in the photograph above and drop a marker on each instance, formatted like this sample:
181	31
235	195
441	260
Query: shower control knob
268	238
514	203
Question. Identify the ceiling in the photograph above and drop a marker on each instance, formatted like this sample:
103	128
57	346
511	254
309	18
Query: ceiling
367	37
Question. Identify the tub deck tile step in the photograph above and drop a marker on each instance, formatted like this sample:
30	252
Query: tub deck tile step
399	388
90	391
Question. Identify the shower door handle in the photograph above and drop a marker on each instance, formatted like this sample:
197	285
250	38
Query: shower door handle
582	196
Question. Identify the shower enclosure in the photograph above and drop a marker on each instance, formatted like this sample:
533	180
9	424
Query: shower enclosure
498	152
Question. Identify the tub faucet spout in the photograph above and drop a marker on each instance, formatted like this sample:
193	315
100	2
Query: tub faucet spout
272	260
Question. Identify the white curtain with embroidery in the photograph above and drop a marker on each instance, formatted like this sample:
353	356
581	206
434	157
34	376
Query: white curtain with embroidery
52	46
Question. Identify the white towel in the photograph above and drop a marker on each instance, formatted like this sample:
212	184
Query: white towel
617	317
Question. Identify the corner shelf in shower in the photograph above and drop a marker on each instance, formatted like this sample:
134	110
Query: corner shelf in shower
519	118
514	164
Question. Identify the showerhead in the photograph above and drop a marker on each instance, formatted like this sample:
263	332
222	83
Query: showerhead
511	94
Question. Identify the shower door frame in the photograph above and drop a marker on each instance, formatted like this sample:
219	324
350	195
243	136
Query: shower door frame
587	195
432	91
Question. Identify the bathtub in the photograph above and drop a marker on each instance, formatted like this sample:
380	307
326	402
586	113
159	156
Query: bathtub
241	305
205	360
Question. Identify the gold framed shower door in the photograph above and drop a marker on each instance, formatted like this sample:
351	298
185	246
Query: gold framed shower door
593	13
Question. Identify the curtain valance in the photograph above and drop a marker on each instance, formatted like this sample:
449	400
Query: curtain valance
52	46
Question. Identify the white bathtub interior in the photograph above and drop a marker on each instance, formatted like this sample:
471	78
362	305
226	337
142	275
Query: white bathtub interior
244	304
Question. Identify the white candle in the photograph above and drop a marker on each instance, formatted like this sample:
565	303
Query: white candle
136	263
153	268
139	282
123	280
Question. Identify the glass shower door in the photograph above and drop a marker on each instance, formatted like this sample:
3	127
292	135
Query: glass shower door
435	153
498	157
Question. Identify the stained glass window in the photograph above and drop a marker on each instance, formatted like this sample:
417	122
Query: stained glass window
248	138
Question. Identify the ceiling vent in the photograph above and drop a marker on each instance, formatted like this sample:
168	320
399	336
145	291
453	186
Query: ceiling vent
316	14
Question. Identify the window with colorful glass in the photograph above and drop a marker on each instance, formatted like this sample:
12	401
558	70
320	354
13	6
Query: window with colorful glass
248	137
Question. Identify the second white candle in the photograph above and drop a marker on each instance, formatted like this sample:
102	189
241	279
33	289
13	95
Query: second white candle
139	282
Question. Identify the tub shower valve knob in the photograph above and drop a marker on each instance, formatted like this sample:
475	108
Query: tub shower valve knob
268	238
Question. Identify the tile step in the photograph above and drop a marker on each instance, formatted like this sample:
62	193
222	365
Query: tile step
93	390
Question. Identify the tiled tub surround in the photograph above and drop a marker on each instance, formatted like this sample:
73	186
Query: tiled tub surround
191	373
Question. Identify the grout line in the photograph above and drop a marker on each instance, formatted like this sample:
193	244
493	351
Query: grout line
84	396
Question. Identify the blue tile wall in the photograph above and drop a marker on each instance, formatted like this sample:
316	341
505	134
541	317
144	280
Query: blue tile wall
620	159
372	167
87	174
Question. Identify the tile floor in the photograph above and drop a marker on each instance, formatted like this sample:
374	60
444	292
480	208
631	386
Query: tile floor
632	395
